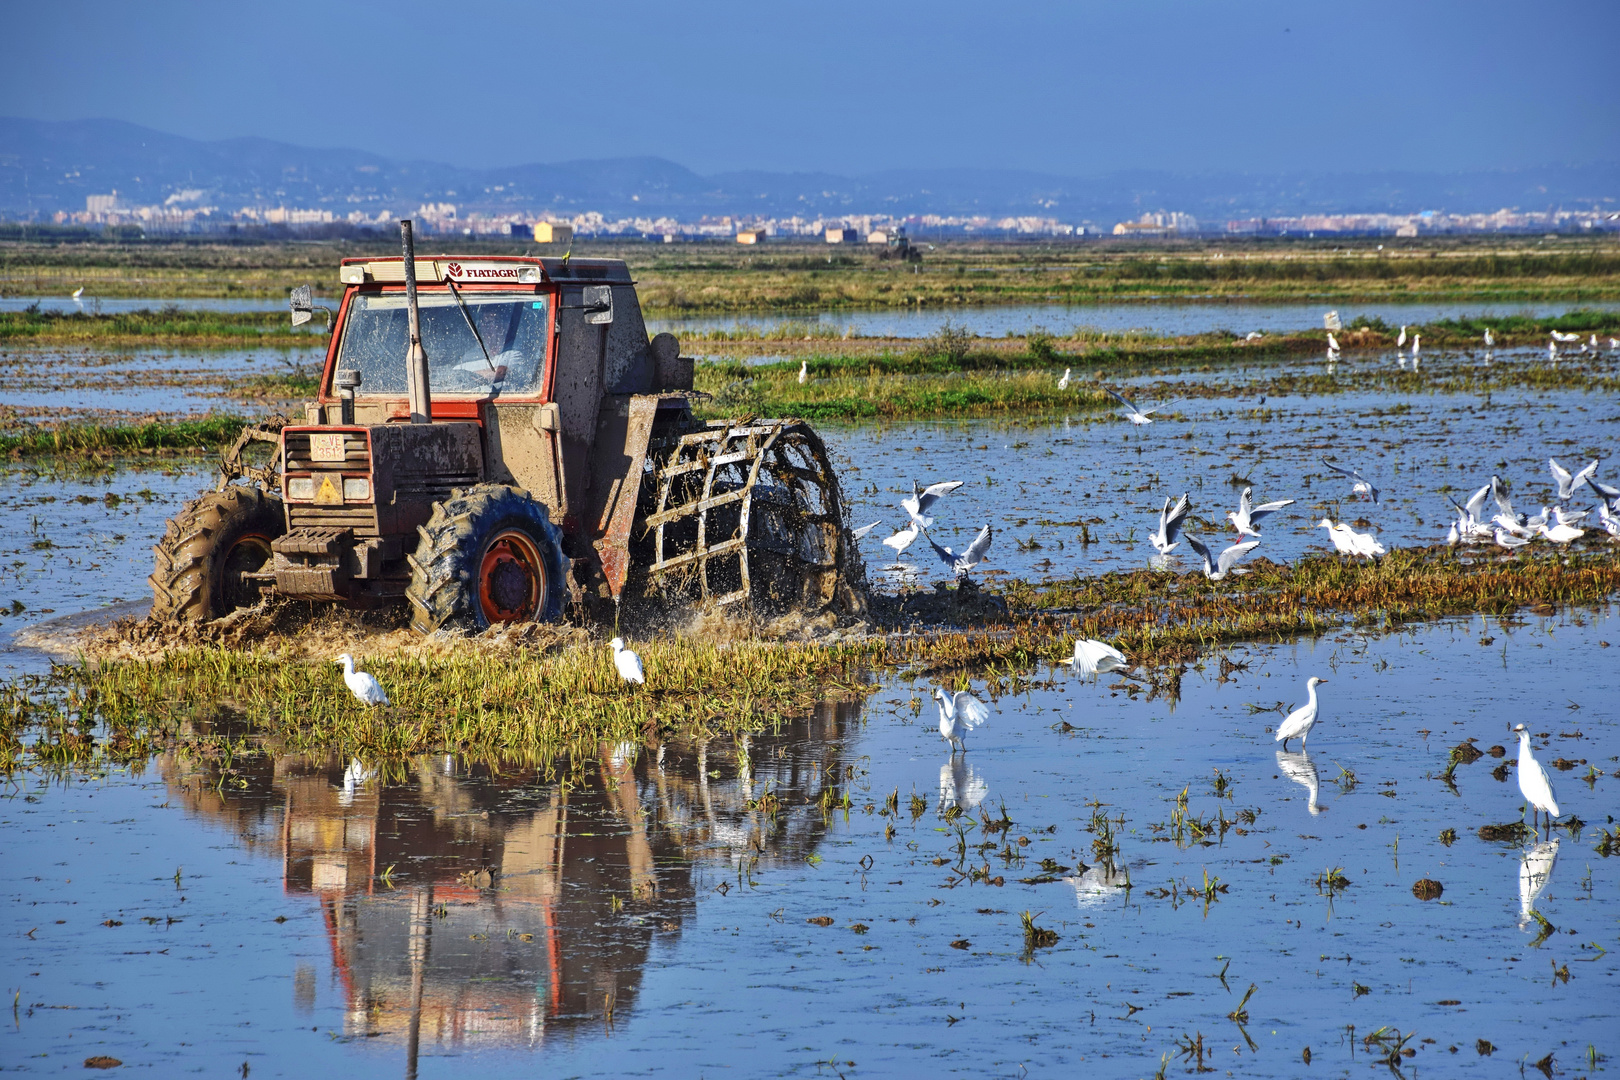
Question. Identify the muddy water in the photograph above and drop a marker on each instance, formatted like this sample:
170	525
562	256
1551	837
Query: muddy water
1171	318
641	912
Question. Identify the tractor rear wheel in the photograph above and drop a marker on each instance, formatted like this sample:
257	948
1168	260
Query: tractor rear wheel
488	555
208	548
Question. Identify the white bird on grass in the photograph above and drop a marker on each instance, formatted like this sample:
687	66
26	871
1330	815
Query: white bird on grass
1253	335
1063	383
1417	341
973	556
1301	720
922	498
1092	657
1560	533
1333	343
627	663
903	539
1567	481
1361	485
364	686
804	372
1534	783
959	713
1505	539
1400	342
1346	541
1490	342
1140	416
1170	522
860	533
1565	338
1246	518
1217	569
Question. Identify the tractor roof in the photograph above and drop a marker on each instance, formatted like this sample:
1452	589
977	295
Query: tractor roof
492	270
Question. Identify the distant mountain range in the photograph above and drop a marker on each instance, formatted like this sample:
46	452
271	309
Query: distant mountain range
50	166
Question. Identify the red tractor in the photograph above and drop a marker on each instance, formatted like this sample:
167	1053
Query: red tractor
496	440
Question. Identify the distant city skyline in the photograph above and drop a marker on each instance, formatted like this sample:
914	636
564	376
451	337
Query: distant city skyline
1074	89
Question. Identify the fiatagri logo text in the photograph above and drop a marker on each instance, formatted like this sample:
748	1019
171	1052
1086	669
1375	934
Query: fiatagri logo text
457	272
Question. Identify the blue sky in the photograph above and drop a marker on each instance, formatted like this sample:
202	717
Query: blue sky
1067	88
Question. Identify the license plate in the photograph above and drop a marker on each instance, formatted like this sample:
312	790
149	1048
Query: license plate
326	446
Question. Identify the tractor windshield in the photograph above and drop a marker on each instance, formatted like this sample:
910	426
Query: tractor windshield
512	327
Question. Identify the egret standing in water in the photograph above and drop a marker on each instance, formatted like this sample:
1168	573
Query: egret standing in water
362	685
627	663
1534	783
1301	720
959	713
1063	383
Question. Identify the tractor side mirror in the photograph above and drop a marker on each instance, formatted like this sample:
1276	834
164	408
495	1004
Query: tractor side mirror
597	300
302	303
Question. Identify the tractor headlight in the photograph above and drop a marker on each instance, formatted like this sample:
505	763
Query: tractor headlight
356	489
529	275
301	488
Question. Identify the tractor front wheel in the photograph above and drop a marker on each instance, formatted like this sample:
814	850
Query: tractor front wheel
488	555
207	551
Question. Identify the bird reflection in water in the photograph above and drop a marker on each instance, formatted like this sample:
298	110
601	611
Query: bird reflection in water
477	904
1096	884
1535	871
1298	767
960	785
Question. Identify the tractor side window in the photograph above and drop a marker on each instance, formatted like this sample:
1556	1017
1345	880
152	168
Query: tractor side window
511	359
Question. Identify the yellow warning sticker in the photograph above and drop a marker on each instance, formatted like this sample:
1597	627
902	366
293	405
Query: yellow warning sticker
330	491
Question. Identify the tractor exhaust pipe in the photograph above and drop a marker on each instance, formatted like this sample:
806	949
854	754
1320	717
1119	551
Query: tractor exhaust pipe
416	369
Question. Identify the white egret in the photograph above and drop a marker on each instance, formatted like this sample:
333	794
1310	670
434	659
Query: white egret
1567	481
1534	784
1217	569
1255	335
922	498
1063	383
959	713
78	292
804	372
1092	657
627	662
1346	541
1361	485
364	687
1140	416
1171	519
973	556
1333	343
1417	341
1490	342
1565	338
1246	518
1400	342
902	539
1301	720
860	533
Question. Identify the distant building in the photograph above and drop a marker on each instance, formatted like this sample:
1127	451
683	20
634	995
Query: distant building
102	204
750	236
879	236
1142	228
1409	229
547	233
842	236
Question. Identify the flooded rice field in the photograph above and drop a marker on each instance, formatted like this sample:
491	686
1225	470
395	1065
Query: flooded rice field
1109	881
110	385
1167	319
112	305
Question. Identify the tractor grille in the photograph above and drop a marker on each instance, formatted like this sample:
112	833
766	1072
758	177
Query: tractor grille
361	518
356	455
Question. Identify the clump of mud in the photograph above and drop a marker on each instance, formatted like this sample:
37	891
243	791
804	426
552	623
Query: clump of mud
965	605
298	630
732	625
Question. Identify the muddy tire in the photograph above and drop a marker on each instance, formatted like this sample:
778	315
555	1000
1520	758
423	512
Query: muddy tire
207	548
488	555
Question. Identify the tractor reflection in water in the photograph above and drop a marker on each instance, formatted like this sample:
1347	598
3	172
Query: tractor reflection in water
475	905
